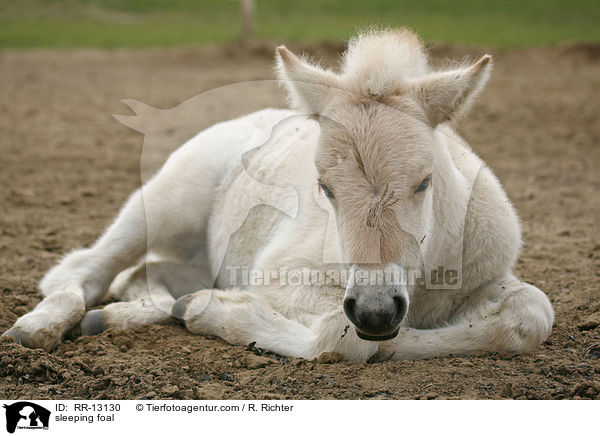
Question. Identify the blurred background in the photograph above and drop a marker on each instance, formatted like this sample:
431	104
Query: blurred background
152	23
67	165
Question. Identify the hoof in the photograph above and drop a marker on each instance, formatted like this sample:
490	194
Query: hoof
93	323
16	336
180	307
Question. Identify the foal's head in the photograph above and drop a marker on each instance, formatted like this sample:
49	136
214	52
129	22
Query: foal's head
375	159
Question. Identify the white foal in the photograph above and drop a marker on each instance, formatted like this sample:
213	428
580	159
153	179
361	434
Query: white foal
283	229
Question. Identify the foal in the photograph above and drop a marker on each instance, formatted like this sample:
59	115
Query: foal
284	229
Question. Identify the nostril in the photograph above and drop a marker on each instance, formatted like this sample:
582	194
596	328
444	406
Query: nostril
401	307
349	309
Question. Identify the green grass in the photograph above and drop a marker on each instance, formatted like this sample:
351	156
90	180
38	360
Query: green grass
144	23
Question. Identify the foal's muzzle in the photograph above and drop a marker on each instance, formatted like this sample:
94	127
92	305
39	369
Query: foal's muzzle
375	311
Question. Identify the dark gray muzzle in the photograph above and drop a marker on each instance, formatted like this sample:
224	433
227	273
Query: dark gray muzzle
376	311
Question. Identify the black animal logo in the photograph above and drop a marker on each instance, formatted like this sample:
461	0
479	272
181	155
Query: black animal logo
26	414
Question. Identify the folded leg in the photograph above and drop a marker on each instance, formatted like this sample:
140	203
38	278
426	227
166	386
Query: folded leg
165	215
241	317
149	291
81	278
506	315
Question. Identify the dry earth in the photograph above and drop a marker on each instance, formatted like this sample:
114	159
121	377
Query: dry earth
67	166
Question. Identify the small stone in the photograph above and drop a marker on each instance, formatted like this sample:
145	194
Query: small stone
211	391
253	361
20	310
245	379
123	341
169	389
329	357
590	323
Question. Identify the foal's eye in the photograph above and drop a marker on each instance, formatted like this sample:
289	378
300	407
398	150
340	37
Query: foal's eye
326	190
424	184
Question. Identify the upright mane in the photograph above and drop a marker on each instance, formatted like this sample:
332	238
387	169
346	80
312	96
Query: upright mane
379	62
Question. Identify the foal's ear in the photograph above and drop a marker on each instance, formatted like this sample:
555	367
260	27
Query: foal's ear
446	95
309	86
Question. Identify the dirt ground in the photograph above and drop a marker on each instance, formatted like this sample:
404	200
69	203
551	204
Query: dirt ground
67	165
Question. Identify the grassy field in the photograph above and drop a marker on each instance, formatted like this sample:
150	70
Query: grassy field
142	23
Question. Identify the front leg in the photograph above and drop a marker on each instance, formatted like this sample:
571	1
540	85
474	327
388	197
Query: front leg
506	315
82	278
241	317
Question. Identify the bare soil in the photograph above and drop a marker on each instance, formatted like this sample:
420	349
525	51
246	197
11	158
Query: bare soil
67	166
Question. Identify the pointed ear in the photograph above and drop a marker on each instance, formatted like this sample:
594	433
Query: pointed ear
309	86
449	94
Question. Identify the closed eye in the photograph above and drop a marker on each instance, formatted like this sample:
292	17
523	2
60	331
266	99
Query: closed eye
326	190
424	184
